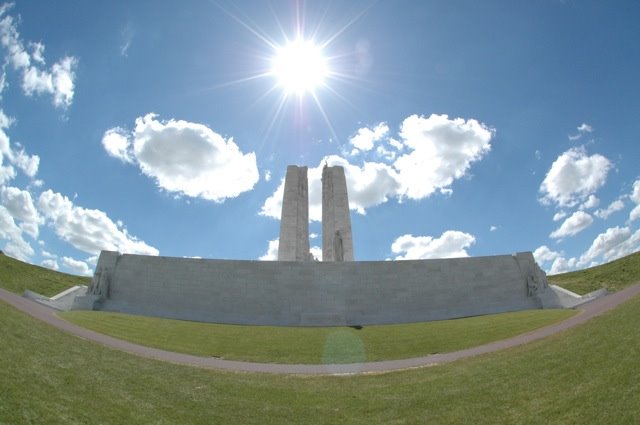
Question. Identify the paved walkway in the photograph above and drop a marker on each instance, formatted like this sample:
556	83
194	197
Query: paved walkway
47	315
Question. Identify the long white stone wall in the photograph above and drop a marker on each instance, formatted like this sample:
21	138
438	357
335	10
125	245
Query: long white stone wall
317	293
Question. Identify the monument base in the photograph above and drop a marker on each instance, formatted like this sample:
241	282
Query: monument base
291	293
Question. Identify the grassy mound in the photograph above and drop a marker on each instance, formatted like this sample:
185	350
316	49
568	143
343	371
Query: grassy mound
16	276
589	374
293	345
614	276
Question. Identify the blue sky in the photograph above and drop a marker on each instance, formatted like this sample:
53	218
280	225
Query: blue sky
466	128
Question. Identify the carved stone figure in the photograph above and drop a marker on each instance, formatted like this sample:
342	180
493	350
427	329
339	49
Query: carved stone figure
105	280
338	249
541	278
532	285
93	287
100	283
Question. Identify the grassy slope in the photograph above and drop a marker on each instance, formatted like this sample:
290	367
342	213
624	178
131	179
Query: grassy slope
589	374
614	276
315	345
16	276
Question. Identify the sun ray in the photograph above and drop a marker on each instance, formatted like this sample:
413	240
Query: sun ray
298	64
275	116
341	97
239	81
346	26
265	95
255	30
325	117
283	33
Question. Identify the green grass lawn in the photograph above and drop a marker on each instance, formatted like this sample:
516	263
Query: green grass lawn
589	374
345	345
16	276
315	345
614	276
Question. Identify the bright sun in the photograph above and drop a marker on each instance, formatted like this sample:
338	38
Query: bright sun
299	67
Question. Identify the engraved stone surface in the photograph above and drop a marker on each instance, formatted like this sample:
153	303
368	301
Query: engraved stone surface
337	241
294	221
311	293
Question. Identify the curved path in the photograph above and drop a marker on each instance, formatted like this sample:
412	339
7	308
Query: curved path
47	315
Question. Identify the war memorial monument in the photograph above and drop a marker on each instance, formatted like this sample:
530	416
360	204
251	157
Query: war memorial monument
298	290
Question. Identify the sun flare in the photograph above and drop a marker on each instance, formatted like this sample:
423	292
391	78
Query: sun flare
299	67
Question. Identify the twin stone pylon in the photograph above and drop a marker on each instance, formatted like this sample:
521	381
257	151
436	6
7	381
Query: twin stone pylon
294	221
337	241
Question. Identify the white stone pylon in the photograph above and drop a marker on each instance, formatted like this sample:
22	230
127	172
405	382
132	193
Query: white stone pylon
337	241
294	221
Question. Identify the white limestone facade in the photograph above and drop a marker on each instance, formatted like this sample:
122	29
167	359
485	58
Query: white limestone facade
337	240
310	293
294	220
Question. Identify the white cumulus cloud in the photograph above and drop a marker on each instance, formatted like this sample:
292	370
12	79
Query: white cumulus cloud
88	230
115	141
63	75
544	254
616	205
29	164
611	244
583	129
16	156
20	205
559	215
563	265
272	206
614	243
47	254
591	202
635	194
635	197
559	264
366	137
15	245
50	264
37	51
77	266
185	158
573	177
437	149
316	252
635	213
272	251
573	225
440	150
58	81
10	38
451	244
7	172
